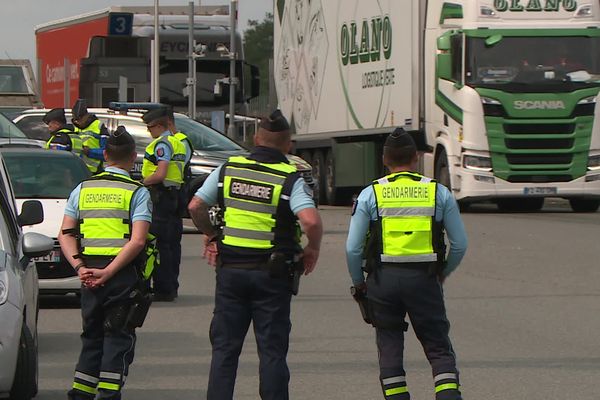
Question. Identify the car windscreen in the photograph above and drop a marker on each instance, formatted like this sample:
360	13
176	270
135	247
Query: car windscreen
44	177
203	137
8	129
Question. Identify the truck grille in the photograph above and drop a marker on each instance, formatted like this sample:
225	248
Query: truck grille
539	129
532	144
539	178
524	159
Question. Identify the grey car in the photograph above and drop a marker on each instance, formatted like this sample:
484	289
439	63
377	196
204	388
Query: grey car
18	293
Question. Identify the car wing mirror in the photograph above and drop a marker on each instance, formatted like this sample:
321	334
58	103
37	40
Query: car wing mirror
32	213
36	245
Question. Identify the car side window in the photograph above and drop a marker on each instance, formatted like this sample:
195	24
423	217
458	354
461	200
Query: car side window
139	131
34	127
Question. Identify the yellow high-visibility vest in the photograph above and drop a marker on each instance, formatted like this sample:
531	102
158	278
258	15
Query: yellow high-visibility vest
406	217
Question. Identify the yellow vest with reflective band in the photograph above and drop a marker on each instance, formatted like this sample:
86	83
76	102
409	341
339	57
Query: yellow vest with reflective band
104	213
90	137
76	142
174	176
406	212
252	192
182	137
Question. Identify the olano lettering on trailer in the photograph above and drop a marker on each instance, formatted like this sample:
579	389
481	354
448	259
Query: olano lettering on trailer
535	5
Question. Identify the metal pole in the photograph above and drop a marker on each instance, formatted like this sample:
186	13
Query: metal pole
191	63
194	91
67	98
232	79
156	57
123	88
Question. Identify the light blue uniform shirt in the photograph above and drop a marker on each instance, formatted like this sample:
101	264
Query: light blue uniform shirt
300	198
141	205
365	211
167	151
188	150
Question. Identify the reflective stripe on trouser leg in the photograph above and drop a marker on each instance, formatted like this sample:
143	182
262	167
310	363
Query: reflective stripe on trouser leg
447	386
110	381
394	387
85	383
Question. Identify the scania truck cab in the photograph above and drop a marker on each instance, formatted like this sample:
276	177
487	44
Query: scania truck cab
511	90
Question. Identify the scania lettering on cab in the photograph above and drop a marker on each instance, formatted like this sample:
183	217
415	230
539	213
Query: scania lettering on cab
501	93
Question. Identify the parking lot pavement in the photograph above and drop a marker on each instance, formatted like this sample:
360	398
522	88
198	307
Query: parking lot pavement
523	308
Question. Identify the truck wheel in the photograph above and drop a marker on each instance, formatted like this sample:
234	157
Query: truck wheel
26	379
332	193
520	204
584	205
442	171
319	175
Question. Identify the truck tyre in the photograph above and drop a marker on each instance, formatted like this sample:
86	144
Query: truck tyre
319	175
584	205
332	193
442	171
25	384
520	204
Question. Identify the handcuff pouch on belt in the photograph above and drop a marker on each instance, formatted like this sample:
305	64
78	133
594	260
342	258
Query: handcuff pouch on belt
129	314
281	265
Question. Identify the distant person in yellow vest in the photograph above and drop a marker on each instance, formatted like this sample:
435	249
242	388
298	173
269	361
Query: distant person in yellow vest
162	172
103	233
93	134
62	138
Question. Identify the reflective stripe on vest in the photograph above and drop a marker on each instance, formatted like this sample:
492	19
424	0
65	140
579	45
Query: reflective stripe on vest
90	138
104	214
76	142
251	194
406	209
174	176
182	137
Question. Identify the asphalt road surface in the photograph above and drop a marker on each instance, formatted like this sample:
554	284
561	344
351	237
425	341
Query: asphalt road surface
524	308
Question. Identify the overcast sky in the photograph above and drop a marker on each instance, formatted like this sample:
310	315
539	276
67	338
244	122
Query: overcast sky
19	19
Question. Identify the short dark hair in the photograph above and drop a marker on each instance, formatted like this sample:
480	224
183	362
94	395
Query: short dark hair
398	156
120	152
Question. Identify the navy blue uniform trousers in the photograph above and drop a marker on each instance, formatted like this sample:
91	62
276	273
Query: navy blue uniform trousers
167	226
105	355
393	292
242	296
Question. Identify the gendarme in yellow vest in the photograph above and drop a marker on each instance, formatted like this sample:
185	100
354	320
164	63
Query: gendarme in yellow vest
104	213
174	176
90	137
406	212
76	142
252	192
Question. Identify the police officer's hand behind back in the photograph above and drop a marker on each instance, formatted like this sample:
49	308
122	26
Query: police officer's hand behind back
210	251
309	258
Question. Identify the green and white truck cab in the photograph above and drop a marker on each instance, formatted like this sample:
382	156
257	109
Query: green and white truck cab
510	107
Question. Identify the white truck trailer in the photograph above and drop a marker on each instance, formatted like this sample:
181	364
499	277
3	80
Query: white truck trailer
502	94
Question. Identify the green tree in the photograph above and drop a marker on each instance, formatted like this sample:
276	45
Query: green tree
258	48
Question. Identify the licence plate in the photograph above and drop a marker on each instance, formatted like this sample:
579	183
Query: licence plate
52	257
539	191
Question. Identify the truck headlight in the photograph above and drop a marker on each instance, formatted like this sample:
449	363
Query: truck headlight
3	287
487	100
588	100
477	163
594	162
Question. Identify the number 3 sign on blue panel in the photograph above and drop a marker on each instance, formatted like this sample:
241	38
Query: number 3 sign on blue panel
120	24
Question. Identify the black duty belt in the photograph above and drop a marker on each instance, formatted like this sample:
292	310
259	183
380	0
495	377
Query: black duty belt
418	266
257	266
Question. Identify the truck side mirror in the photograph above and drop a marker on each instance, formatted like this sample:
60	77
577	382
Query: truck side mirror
444	43
451	11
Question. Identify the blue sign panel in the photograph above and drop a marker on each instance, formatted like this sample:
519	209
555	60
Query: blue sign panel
120	24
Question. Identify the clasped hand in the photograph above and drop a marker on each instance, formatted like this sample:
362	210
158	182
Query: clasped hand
92	278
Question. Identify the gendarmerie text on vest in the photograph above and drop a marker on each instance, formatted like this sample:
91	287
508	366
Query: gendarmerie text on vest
406	192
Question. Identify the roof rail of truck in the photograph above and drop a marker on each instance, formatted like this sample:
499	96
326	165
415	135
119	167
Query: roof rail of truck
123	107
